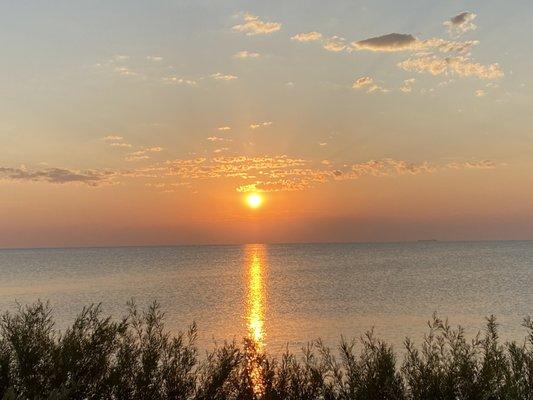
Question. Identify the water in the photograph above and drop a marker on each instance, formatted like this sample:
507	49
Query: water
286	294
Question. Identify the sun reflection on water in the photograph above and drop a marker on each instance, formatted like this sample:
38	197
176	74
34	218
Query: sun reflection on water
255	313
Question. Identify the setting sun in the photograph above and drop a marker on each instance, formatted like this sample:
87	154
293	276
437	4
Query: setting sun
254	200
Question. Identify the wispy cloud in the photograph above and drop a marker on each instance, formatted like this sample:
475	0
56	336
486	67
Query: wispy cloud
215	139
246	54
115	141
57	175
224	128
120	144
260	124
143	154
112	138
253	25
177	80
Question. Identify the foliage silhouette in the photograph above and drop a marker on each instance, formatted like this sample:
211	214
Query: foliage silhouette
135	358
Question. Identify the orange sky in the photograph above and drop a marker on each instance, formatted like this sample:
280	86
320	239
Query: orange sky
372	124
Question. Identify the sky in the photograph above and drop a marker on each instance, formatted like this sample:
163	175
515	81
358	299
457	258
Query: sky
148	122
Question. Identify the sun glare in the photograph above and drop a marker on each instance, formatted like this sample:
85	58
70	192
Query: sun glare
254	200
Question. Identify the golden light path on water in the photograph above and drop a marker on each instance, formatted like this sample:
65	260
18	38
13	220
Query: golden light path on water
255	312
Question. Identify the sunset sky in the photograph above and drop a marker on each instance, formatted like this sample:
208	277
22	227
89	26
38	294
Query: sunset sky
134	122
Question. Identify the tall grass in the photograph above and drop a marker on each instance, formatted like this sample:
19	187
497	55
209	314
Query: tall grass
136	358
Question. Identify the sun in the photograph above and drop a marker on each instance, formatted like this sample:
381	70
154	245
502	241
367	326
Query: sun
254	200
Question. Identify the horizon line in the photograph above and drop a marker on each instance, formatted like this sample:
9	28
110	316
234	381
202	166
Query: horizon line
421	241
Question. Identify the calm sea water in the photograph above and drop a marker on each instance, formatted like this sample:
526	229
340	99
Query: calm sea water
286	294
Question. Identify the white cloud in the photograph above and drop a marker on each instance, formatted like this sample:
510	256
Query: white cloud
224	128
253	25
307	37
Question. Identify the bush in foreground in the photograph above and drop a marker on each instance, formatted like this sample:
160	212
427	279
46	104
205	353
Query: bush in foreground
136	358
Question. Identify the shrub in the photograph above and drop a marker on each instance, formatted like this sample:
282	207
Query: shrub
136	358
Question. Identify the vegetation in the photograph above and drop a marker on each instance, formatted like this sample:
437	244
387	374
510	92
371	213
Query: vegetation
136	358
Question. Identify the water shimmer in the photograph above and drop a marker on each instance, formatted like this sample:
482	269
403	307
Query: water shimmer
286	294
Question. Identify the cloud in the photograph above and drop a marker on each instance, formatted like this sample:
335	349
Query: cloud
125	71
307	37
176	80
261	124
222	77
395	42
120	144
143	154
57	175
459	65
407	86
246	54
154	58
389	43
215	139
367	83
284	173
480	93
362	82
136	156
335	44
484	164
461	23
110	138
253	25
115	141
446	46
224	128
